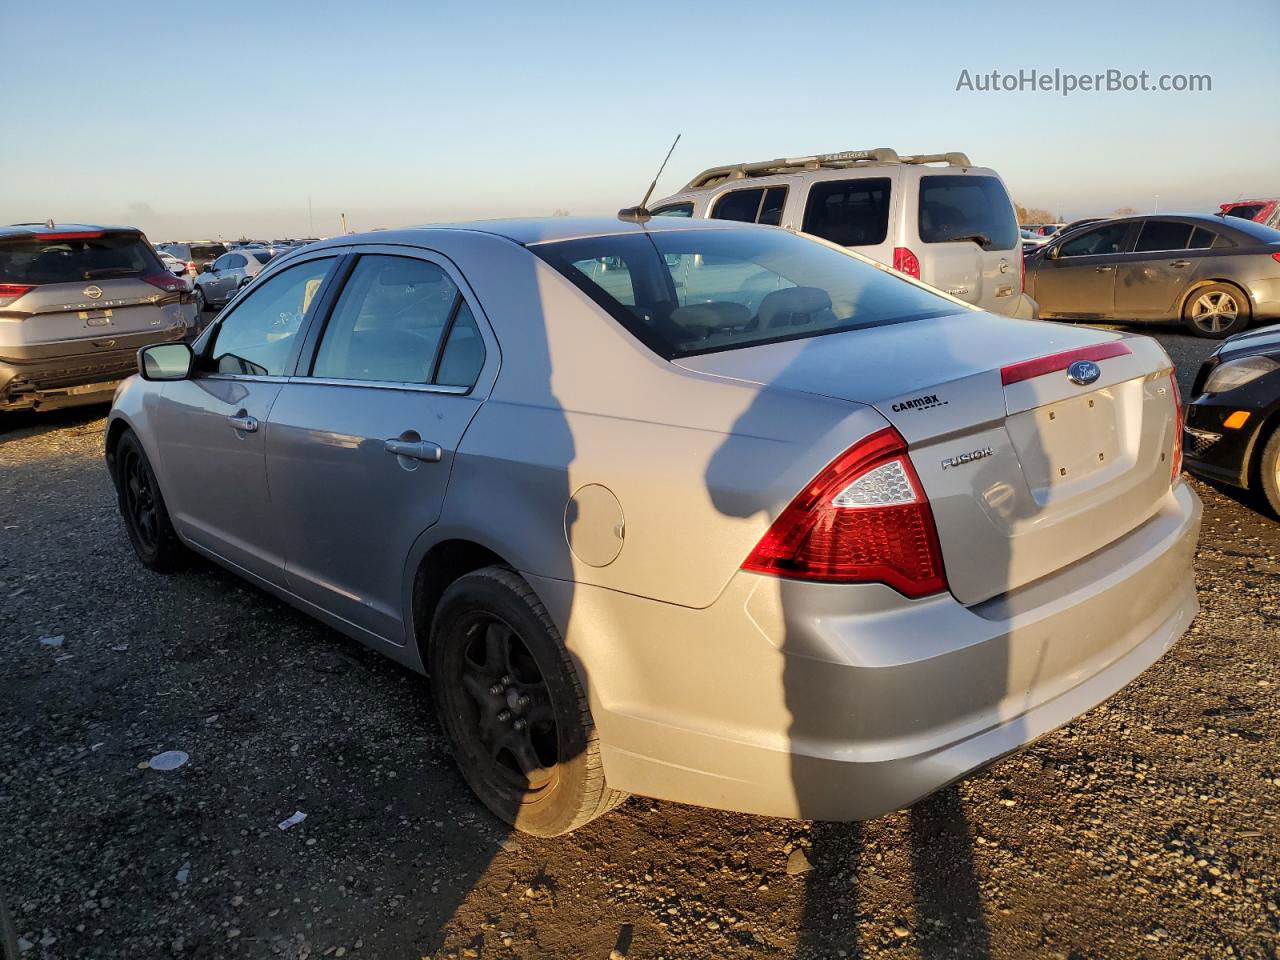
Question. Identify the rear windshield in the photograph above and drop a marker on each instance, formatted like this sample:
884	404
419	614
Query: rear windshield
1246	211
31	260
1257	232
967	208
207	251
689	292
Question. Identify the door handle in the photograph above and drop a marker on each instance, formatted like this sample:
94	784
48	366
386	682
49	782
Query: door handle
1180	263
423	450
1104	269
244	422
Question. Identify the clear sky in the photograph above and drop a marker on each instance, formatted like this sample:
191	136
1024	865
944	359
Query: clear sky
215	119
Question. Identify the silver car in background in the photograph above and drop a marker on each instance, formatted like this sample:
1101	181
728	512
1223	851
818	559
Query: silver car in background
76	303
697	510
223	279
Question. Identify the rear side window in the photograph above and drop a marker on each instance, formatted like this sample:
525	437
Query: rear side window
675	210
389	322
1201	239
31	260
257	337
1160	235
851	213
1245	211
263	257
975	208
740	205
463	354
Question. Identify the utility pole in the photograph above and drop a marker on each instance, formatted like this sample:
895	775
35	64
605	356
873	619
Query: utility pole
344	223
311	220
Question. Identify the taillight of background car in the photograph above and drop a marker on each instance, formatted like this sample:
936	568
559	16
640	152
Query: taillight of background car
904	261
863	519
10	292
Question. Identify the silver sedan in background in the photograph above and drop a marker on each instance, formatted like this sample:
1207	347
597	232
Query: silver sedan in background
705	511
219	283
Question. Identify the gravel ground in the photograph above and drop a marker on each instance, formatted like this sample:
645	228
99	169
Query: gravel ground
1148	828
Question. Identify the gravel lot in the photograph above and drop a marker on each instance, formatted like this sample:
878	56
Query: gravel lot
1148	828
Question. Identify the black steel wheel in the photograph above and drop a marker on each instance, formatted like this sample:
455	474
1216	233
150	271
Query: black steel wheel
514	707
146	518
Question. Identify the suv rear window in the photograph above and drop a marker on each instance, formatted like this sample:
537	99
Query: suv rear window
851	213
685	292
32	260
955	207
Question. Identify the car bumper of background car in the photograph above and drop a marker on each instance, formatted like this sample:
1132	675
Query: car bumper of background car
1212	449
781	700
36	379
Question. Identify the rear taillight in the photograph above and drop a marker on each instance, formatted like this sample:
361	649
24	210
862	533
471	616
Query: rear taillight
1276	257
10	292
1177	429
863	519
904	261
167	281
191	267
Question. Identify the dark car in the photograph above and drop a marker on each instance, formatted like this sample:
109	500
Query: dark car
1215	274
1232	428
76	303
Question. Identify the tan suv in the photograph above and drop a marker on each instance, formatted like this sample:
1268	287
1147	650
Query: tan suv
76	303
936	217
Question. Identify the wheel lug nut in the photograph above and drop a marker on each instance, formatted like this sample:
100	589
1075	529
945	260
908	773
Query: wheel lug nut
496	689
519	725
505	681
522	700
504	716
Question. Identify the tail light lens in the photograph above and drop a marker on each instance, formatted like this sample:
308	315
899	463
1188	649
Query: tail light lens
167	281
1276	257
191	267
863	519
10	292
1177	429
904	261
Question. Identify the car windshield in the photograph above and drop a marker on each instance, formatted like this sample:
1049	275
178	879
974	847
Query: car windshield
700	291
75	258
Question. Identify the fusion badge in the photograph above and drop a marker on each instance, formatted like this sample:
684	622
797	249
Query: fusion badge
960	459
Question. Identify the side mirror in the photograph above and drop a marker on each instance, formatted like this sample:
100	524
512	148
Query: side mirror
1051	253
165	361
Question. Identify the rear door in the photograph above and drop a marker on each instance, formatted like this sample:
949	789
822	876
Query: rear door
211	428
363	438
84	292
1151	280
1077	276
969	244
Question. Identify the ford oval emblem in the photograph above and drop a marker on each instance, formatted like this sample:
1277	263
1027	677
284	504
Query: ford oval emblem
1084	371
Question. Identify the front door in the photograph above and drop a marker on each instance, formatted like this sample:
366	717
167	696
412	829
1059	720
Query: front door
213	426
362	441
1077	278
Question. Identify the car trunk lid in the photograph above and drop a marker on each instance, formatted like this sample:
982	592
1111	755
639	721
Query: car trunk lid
1026	470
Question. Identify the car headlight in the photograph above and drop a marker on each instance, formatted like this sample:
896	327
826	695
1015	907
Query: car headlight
1236	373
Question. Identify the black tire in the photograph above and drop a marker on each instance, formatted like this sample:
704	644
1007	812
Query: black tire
8	935
146	519
1217	311
1269	472
513	706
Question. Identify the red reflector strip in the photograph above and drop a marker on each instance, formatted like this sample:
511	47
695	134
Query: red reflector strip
82	235
1060	361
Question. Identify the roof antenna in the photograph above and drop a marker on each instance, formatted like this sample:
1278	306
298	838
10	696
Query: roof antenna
48	224
640	214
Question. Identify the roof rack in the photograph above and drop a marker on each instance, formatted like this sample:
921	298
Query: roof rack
843	159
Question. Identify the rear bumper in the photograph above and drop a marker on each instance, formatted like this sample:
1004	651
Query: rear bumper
30	378
780	699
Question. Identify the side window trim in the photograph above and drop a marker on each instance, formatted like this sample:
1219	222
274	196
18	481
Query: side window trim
203	345
444	339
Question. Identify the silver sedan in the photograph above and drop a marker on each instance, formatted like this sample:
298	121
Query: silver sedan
702	511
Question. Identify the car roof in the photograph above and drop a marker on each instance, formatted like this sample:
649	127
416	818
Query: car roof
533	229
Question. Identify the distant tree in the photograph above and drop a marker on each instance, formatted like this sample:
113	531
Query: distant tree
1124	211
243	239
559	213
1037	215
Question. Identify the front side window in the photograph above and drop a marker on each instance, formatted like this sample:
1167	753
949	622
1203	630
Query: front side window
851	213
955	207
389	322
257	337
1093	243
1160	235
709	290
